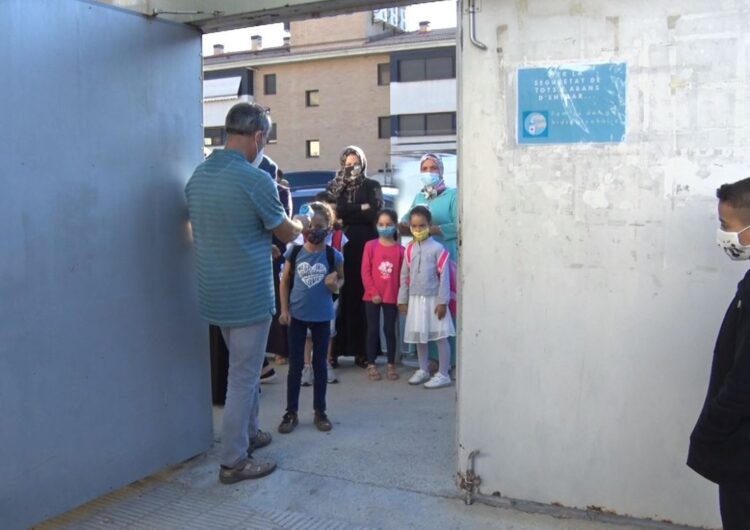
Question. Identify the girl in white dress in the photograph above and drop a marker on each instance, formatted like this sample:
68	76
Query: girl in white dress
424	297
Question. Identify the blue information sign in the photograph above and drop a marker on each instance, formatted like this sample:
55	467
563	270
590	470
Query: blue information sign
572	104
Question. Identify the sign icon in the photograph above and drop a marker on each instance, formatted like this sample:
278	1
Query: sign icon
535	124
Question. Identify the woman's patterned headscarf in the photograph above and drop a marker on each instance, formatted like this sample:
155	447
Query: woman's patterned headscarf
340	184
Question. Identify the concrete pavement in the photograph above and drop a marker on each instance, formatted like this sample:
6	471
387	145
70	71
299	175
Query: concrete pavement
389	463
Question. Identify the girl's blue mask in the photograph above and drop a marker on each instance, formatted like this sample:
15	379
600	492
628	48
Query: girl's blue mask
430	179
388	231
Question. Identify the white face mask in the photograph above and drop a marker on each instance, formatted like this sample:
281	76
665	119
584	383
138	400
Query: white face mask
730	242
259	157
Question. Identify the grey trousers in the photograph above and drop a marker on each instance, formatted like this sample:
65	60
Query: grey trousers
247	349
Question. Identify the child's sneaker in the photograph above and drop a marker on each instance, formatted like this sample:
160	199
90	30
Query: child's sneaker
419	377
438	380
288	423
332	378
307	376
322	422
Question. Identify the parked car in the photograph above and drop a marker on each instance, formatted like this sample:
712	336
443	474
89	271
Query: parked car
305	185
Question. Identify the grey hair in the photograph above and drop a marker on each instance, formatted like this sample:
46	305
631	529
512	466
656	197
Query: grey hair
247	119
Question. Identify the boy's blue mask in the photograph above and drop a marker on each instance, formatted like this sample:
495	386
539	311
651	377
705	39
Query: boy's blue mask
388	231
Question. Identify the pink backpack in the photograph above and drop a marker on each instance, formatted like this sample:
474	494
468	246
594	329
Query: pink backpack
444	262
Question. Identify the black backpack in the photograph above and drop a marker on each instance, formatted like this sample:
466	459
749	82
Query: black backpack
330	257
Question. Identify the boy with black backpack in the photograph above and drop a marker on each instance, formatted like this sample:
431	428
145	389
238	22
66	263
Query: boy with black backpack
313	272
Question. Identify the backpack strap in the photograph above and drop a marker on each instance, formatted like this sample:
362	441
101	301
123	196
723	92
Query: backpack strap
443	261
293	263
331	257
409	253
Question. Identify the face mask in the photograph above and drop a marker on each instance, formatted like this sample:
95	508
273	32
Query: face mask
430	180
730	242
420	235
316	236
352	172
259	157
388	231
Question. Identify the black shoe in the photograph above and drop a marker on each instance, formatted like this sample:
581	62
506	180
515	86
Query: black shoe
288	423
322	422
268	376
361	362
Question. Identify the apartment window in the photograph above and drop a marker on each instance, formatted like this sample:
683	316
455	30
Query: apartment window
411	125
313	148
440	124
384	73
436	124
411	70
269	84
272	138
424	69
440	68
213	136
384	127
312	98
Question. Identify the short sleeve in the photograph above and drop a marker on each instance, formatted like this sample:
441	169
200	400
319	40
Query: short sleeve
288	253
339	258
265	199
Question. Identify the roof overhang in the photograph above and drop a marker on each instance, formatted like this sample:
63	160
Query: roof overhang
220	15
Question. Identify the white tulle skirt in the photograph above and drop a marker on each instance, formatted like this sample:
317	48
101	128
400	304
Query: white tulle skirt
423	325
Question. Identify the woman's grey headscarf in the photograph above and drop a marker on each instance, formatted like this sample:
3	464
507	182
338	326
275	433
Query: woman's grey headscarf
435	158
433	191
341	184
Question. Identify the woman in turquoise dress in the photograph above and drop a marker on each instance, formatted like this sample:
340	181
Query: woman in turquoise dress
443	204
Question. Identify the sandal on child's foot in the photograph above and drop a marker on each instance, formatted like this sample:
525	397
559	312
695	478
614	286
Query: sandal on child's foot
391	372
373	374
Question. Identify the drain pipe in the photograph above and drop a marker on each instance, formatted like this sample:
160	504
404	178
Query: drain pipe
469	482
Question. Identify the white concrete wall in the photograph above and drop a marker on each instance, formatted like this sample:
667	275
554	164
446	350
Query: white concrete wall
419	97
592	289
215	112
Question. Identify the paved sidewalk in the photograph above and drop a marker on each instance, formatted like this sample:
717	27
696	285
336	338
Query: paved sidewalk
389	463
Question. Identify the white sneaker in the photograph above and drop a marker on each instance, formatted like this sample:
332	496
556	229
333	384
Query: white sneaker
307	376
332	375
438	380
419	377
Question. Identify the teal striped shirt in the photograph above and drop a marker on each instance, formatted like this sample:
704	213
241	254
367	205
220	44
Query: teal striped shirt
233	208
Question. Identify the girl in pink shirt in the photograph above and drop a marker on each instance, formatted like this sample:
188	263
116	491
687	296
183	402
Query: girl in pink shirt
381	272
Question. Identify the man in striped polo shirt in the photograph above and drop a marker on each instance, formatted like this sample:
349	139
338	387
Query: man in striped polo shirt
234	209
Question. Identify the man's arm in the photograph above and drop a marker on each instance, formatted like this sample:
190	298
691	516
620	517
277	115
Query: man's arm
290	229
284	294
